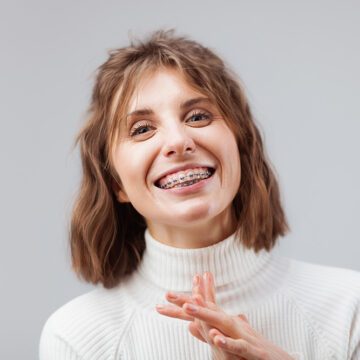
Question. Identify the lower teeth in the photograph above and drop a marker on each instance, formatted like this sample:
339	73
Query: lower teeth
187	184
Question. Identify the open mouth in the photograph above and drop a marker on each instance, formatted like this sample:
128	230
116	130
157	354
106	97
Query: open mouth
184	178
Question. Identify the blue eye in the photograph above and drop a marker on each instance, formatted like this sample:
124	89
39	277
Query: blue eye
140	129
198	116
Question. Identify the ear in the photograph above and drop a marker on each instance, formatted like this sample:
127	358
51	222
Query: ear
119	192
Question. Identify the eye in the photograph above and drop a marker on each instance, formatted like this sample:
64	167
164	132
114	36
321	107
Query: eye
141	128
200	117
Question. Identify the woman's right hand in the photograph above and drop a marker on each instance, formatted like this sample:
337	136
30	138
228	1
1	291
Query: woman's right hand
203	294
210	324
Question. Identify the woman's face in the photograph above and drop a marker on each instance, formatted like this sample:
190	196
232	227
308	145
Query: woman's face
177	159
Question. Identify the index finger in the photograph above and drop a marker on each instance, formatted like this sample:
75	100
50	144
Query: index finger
219	320
209	287
198	286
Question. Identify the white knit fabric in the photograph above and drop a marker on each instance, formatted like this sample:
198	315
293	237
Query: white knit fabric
310	311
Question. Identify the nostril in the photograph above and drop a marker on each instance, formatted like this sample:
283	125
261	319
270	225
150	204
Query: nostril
176	145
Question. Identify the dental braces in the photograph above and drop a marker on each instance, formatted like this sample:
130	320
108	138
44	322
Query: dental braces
183	179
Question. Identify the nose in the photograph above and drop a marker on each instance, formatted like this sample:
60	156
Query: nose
178	143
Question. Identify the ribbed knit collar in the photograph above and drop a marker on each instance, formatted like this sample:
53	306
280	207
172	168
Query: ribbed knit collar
228	260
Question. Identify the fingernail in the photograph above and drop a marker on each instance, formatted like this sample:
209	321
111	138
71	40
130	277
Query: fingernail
191	308
212	333
173	296
159	306
195	280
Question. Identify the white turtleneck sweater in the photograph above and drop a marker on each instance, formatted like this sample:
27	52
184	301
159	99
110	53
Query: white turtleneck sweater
310	311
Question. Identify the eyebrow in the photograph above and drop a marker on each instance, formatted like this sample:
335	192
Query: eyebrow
184	105
194	101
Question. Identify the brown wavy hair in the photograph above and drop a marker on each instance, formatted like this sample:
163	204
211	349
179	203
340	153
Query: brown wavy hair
106	236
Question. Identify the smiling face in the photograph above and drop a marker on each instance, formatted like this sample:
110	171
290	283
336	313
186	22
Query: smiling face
177	159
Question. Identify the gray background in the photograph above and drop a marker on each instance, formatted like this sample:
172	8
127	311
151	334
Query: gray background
299	62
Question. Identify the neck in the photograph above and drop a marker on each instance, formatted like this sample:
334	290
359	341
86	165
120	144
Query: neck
197	234
228	260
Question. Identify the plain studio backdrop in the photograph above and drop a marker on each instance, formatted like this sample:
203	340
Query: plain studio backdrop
299	61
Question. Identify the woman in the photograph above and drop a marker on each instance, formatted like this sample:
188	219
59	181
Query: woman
179	200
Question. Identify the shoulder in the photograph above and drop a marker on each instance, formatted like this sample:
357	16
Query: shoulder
95	320
328	298
324	282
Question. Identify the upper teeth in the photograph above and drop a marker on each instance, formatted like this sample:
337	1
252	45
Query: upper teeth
182	177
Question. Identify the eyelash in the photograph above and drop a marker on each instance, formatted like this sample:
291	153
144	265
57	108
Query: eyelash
200	113
135	130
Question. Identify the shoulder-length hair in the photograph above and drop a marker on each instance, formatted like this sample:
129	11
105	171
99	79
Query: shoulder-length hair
106	236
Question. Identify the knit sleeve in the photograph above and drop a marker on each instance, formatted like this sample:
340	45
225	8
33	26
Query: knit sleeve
354	339
354	349
356	353
52	347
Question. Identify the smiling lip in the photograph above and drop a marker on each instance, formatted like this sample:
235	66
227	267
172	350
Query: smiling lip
182	168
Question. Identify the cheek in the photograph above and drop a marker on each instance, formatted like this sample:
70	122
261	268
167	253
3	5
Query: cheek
132	163
233	165
230	155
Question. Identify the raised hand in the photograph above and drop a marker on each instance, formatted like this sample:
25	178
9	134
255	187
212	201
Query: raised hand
233	334
230	337
203	294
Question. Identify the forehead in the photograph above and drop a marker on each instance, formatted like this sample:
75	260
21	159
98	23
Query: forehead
161	87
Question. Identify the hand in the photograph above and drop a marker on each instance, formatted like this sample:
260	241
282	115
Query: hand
203	288
210	324
232	334
203	292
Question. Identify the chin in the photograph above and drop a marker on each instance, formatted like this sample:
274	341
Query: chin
193	214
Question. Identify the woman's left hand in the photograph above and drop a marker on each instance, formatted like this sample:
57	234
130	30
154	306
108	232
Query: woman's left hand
232	334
